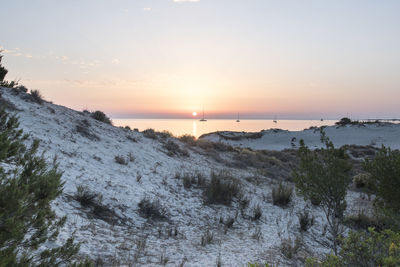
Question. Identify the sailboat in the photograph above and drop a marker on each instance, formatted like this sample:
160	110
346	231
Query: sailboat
238	118
203	119
275	119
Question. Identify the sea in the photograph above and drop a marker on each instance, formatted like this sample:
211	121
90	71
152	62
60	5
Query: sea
197	128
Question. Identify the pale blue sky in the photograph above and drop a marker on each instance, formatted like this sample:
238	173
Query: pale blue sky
298	59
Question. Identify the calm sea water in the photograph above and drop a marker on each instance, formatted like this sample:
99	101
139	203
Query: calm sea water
195	127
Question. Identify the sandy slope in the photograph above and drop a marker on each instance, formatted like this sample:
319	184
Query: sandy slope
91	163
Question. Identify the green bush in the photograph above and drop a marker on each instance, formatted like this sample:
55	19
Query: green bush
324	175
27	187
363	180
361	249
101	116
385	174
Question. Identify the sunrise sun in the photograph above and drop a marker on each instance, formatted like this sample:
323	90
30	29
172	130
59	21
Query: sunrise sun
194	114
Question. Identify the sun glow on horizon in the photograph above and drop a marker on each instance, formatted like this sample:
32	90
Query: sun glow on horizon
194	113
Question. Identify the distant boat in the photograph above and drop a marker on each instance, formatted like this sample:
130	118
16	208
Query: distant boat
275	119
238	118
322	119
203	119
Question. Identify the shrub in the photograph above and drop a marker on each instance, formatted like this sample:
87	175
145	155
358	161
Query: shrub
121	160
221	189
257	213
325	175
151	209
164	135
3	71
344	121
305	220
101	116
28	185
37	96
174	149
289	247
361	249
363	180
85	197
385	172
150	133
361	221
188	139
282	194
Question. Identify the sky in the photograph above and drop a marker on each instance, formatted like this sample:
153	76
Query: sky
296	59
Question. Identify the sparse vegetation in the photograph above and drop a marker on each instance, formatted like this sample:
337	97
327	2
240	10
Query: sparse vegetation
221	189
101	116
282	194
152	209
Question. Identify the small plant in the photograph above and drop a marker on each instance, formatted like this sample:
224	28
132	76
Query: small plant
207	238
257	235
101	116
121	160
152	209
150	133
257	213
86	197
174	149
37	96
289	247
282	194
221	189
363	180
305	220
